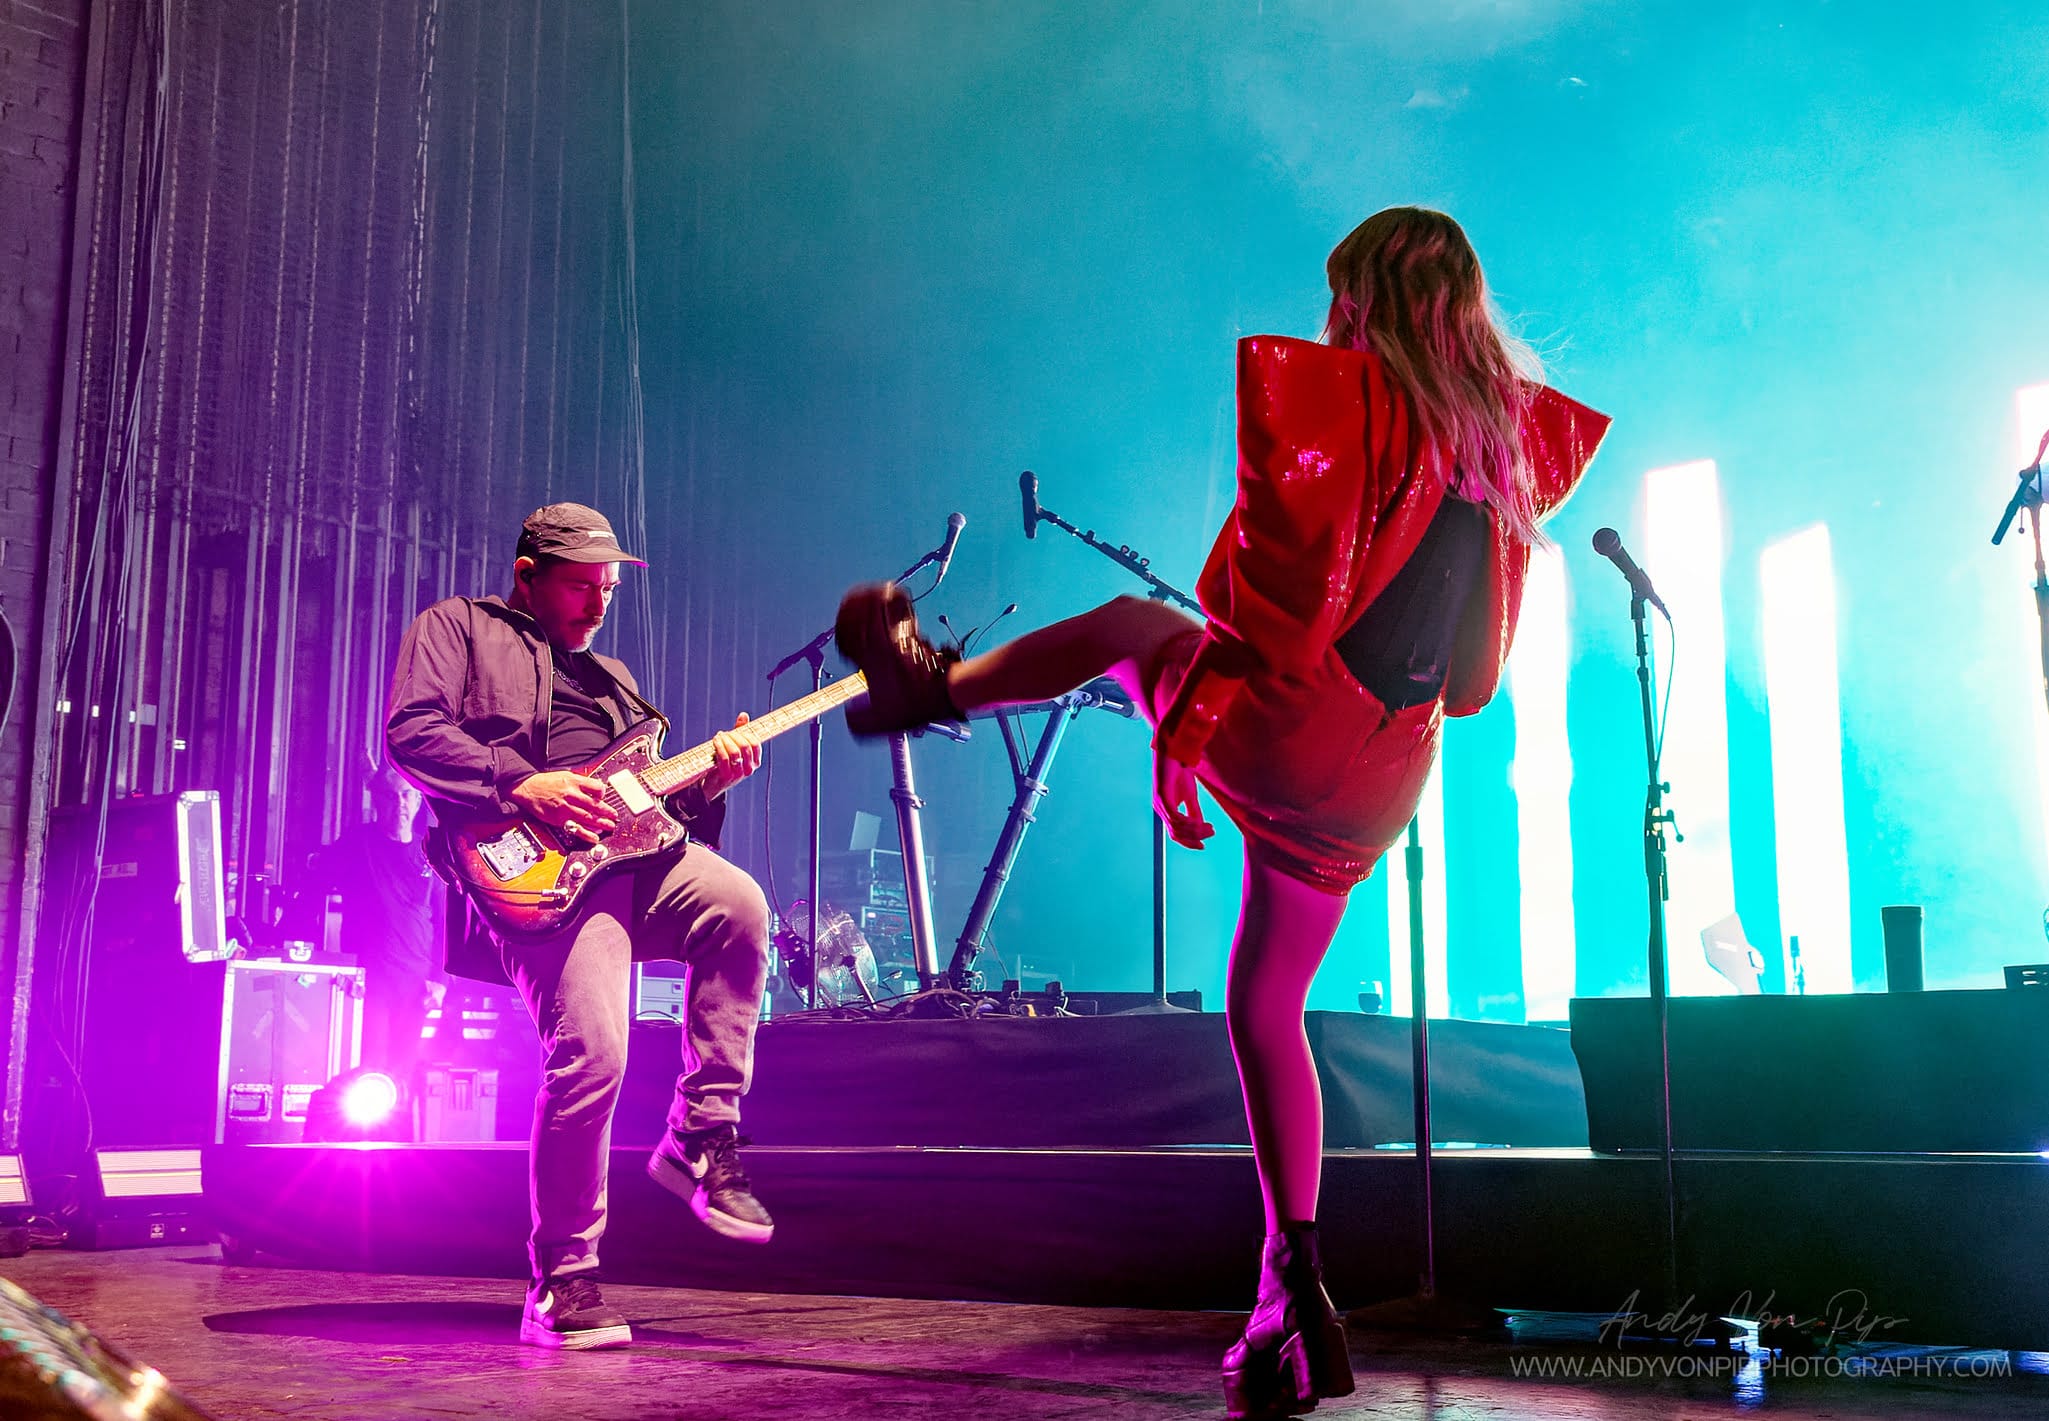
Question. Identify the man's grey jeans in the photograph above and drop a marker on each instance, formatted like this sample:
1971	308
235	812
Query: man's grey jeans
694	908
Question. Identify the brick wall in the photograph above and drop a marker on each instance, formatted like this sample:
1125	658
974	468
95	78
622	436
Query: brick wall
42	63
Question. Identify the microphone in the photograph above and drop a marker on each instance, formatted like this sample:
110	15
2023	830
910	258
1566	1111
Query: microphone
2028	495
954	523
1608	543
1028	485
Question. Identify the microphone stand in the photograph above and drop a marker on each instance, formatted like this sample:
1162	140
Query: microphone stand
813	652
2028	496
1426	1309
1160	590
1658	886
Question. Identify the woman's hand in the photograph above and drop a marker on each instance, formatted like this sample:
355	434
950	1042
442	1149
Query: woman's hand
736	754
1177	800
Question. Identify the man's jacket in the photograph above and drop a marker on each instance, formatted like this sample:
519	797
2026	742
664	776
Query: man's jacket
468	721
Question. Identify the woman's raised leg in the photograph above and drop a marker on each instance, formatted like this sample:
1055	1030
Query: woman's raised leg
911	682
1120	638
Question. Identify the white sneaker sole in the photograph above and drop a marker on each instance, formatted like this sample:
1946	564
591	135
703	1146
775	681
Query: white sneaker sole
726	1224
677	1180
536	1334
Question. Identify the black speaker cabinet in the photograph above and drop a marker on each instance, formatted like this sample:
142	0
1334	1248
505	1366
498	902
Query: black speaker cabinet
132	989
1861	1073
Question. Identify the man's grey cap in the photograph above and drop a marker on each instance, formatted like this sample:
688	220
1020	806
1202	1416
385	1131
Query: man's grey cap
572	532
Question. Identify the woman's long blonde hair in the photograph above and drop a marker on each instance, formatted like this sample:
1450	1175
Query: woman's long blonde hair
1407	286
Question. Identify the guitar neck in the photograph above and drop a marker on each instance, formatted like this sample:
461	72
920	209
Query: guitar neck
665	777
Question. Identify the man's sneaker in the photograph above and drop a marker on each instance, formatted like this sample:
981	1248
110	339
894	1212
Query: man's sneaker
570	1313
878	632
704	1168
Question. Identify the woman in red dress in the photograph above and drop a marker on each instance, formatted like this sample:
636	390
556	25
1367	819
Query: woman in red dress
1391	480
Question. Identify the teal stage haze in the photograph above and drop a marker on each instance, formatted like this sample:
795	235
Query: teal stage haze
892	254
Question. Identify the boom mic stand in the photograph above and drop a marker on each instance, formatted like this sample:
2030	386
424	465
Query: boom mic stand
2028	495
1160	590
1030	778
917	890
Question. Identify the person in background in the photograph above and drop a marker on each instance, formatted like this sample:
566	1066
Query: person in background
391	919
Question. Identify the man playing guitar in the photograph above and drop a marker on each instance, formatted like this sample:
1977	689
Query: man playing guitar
494	706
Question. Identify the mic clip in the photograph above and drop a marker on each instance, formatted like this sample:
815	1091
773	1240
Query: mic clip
2027	495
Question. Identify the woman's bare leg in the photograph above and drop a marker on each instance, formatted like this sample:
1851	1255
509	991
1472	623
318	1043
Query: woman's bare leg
1284	929
1119	638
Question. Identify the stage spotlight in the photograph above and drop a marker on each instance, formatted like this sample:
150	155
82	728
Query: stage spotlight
369	1100
359	1105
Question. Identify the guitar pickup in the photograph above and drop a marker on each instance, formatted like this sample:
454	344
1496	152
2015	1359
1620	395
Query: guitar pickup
632	793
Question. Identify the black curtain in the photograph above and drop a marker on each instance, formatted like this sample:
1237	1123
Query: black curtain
354	294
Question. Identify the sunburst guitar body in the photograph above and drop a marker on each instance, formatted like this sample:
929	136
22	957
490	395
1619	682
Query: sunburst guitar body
529	879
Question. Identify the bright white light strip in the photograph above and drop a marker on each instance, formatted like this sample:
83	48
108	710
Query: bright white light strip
1542	779
1683	556
201	889
2030	418
13	1181
1430	813
1798	579
148	1174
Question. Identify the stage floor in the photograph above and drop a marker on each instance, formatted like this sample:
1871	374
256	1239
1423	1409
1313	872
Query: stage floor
1931	1250
280	1342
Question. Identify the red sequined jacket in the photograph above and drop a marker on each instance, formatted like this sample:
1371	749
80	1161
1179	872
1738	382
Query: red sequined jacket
1335	488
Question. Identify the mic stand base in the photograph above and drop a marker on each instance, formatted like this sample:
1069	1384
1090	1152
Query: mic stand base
1031	788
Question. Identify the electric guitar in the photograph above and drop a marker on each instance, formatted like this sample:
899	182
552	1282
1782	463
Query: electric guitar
529	879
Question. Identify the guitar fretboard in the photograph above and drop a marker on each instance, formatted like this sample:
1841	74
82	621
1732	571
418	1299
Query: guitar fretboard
665	777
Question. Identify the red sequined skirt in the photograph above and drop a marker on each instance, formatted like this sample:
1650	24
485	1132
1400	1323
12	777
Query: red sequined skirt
1319	777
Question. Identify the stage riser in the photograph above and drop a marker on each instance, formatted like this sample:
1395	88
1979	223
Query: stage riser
1870	1072
1939	1244
1113	1083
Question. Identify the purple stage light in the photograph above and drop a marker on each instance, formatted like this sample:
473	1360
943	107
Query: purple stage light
370	1099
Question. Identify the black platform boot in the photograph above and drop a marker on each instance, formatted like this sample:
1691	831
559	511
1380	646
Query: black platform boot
1293	1350
878	632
